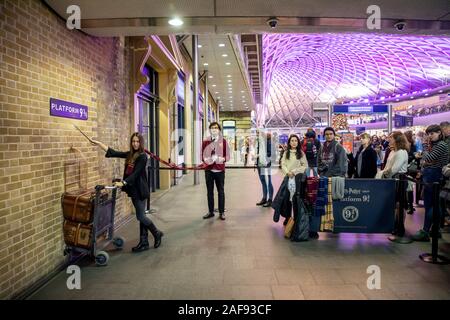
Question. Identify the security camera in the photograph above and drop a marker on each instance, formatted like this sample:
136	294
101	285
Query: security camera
272	22
400	25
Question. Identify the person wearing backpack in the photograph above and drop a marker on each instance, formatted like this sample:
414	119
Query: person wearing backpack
311	148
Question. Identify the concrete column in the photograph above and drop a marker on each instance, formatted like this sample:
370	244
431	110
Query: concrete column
196	132
205	111
330	114
389	118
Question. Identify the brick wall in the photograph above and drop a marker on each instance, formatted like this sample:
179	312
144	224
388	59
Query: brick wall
40	58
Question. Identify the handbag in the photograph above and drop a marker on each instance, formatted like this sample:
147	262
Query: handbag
289	228
413	168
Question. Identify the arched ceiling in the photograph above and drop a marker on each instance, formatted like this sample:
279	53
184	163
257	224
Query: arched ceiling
300	69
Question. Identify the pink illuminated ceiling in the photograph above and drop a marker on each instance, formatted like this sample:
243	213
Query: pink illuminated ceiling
300	69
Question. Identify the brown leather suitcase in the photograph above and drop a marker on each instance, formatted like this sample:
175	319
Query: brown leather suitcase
79	207
77	234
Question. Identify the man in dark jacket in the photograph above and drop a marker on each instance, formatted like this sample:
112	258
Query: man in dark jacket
332	156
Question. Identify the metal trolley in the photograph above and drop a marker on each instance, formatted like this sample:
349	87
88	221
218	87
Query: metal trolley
104	209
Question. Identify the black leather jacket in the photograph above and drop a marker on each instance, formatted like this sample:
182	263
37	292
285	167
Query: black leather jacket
136	182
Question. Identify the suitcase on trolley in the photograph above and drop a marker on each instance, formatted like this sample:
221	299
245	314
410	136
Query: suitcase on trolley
94	215
79	207
78	234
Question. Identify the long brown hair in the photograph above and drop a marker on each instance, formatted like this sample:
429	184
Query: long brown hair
132	155
299	152
400	140
409	137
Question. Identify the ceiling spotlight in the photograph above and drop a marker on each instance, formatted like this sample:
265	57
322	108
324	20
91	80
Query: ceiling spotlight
210	77
224	55
221	44
199	46
227	63
229	80
176	22
229	76
213	85
242	91
216	92
205	64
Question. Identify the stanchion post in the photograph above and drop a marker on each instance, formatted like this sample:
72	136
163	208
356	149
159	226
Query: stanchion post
434	257
436	222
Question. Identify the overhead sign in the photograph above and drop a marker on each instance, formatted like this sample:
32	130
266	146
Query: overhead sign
376	108
65	109
401	121
229	124
368	206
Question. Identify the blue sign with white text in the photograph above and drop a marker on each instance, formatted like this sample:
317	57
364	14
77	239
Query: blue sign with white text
375	108
368	206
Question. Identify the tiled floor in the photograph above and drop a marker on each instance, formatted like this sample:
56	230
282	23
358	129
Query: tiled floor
246	257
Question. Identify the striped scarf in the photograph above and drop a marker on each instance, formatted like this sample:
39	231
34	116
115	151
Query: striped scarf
327	223
322	197
312	185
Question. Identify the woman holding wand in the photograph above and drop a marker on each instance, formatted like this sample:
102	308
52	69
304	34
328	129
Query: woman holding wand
135	184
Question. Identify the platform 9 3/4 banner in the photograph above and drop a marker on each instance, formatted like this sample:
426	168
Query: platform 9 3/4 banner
367	207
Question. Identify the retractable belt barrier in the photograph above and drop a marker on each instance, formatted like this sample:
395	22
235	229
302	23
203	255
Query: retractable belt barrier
432	257
173	166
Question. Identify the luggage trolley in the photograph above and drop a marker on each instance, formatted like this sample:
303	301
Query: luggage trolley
103	221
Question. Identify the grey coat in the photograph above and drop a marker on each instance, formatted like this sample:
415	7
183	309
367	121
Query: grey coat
338	166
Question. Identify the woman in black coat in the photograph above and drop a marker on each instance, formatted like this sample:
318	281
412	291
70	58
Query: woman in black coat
366	159
135	184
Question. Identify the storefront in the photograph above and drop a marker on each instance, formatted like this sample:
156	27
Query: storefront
148	105
178	131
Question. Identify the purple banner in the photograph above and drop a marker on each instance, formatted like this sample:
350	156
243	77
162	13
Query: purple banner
64	109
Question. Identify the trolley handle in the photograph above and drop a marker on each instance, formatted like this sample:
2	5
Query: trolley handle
101	187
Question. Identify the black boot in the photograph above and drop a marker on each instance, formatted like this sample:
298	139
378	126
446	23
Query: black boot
262	202
143	239
157	234
268	204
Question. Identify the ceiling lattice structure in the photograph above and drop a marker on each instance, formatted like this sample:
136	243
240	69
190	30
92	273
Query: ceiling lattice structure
300	69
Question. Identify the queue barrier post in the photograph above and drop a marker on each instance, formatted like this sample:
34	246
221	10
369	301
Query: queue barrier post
434	257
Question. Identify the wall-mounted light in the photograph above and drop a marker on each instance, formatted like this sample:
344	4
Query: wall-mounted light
176	22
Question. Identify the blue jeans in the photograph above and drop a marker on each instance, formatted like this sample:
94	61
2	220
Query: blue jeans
308	171
429	176
266	188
